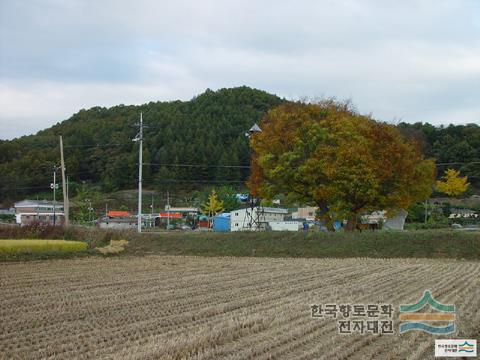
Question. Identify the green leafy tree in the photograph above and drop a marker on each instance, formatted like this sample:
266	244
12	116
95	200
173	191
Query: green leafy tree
345	163
228	196
84	202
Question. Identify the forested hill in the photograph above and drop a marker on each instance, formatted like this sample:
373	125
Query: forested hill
452	146
207	132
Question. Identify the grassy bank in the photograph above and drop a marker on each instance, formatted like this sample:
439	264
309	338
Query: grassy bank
377	244
407	244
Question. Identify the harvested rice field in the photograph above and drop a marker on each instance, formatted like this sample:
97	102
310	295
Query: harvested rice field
165	307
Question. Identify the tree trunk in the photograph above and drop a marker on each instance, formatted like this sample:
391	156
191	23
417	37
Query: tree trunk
351	223
322	215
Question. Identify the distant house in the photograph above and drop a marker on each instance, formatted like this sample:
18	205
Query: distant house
285	225
10	211
395	221
374	218
255	219
41	212
185	211
116	219
118	213
462	213
307	213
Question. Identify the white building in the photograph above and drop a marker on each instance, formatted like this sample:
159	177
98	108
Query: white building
258	219
285	225
118	223
39	211
307	213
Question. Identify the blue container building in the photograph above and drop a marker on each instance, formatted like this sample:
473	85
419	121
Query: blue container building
221	223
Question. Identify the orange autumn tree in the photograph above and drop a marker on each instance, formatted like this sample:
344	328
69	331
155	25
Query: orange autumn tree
347	164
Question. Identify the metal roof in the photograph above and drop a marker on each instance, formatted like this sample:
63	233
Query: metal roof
30	203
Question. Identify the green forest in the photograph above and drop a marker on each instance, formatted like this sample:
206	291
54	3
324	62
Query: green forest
188	144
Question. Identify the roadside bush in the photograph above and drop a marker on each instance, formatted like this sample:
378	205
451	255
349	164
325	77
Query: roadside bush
426	226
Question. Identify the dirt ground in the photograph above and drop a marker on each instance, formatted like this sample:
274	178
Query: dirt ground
165	307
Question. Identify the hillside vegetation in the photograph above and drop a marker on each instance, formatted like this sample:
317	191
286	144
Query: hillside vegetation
207	131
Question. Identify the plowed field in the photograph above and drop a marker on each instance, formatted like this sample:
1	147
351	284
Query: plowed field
221	308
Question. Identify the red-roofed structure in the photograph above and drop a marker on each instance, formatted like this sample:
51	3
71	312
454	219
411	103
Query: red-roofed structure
118	213
174	215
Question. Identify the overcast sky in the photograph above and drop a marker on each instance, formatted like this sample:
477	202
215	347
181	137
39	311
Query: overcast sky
409	60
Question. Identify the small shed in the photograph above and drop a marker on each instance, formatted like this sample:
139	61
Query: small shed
203	222
221	223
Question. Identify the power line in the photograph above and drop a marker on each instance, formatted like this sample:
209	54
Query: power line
199	166
25	188
198	181
95	145
458	163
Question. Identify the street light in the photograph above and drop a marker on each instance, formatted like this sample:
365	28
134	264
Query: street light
255	129
90	209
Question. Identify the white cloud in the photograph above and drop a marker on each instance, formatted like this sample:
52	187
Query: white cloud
418	60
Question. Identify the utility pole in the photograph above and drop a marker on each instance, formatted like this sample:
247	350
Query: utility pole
152	222
68	203
151	207
139	138
426	211
54	187
64	185
90	210
168	210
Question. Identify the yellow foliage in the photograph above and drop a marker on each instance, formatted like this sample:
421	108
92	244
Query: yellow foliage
453	184
213	206
39	246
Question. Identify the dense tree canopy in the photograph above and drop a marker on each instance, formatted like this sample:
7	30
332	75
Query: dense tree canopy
207	131
453	146
345	163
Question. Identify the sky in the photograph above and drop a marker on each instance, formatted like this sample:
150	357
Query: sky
410	60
